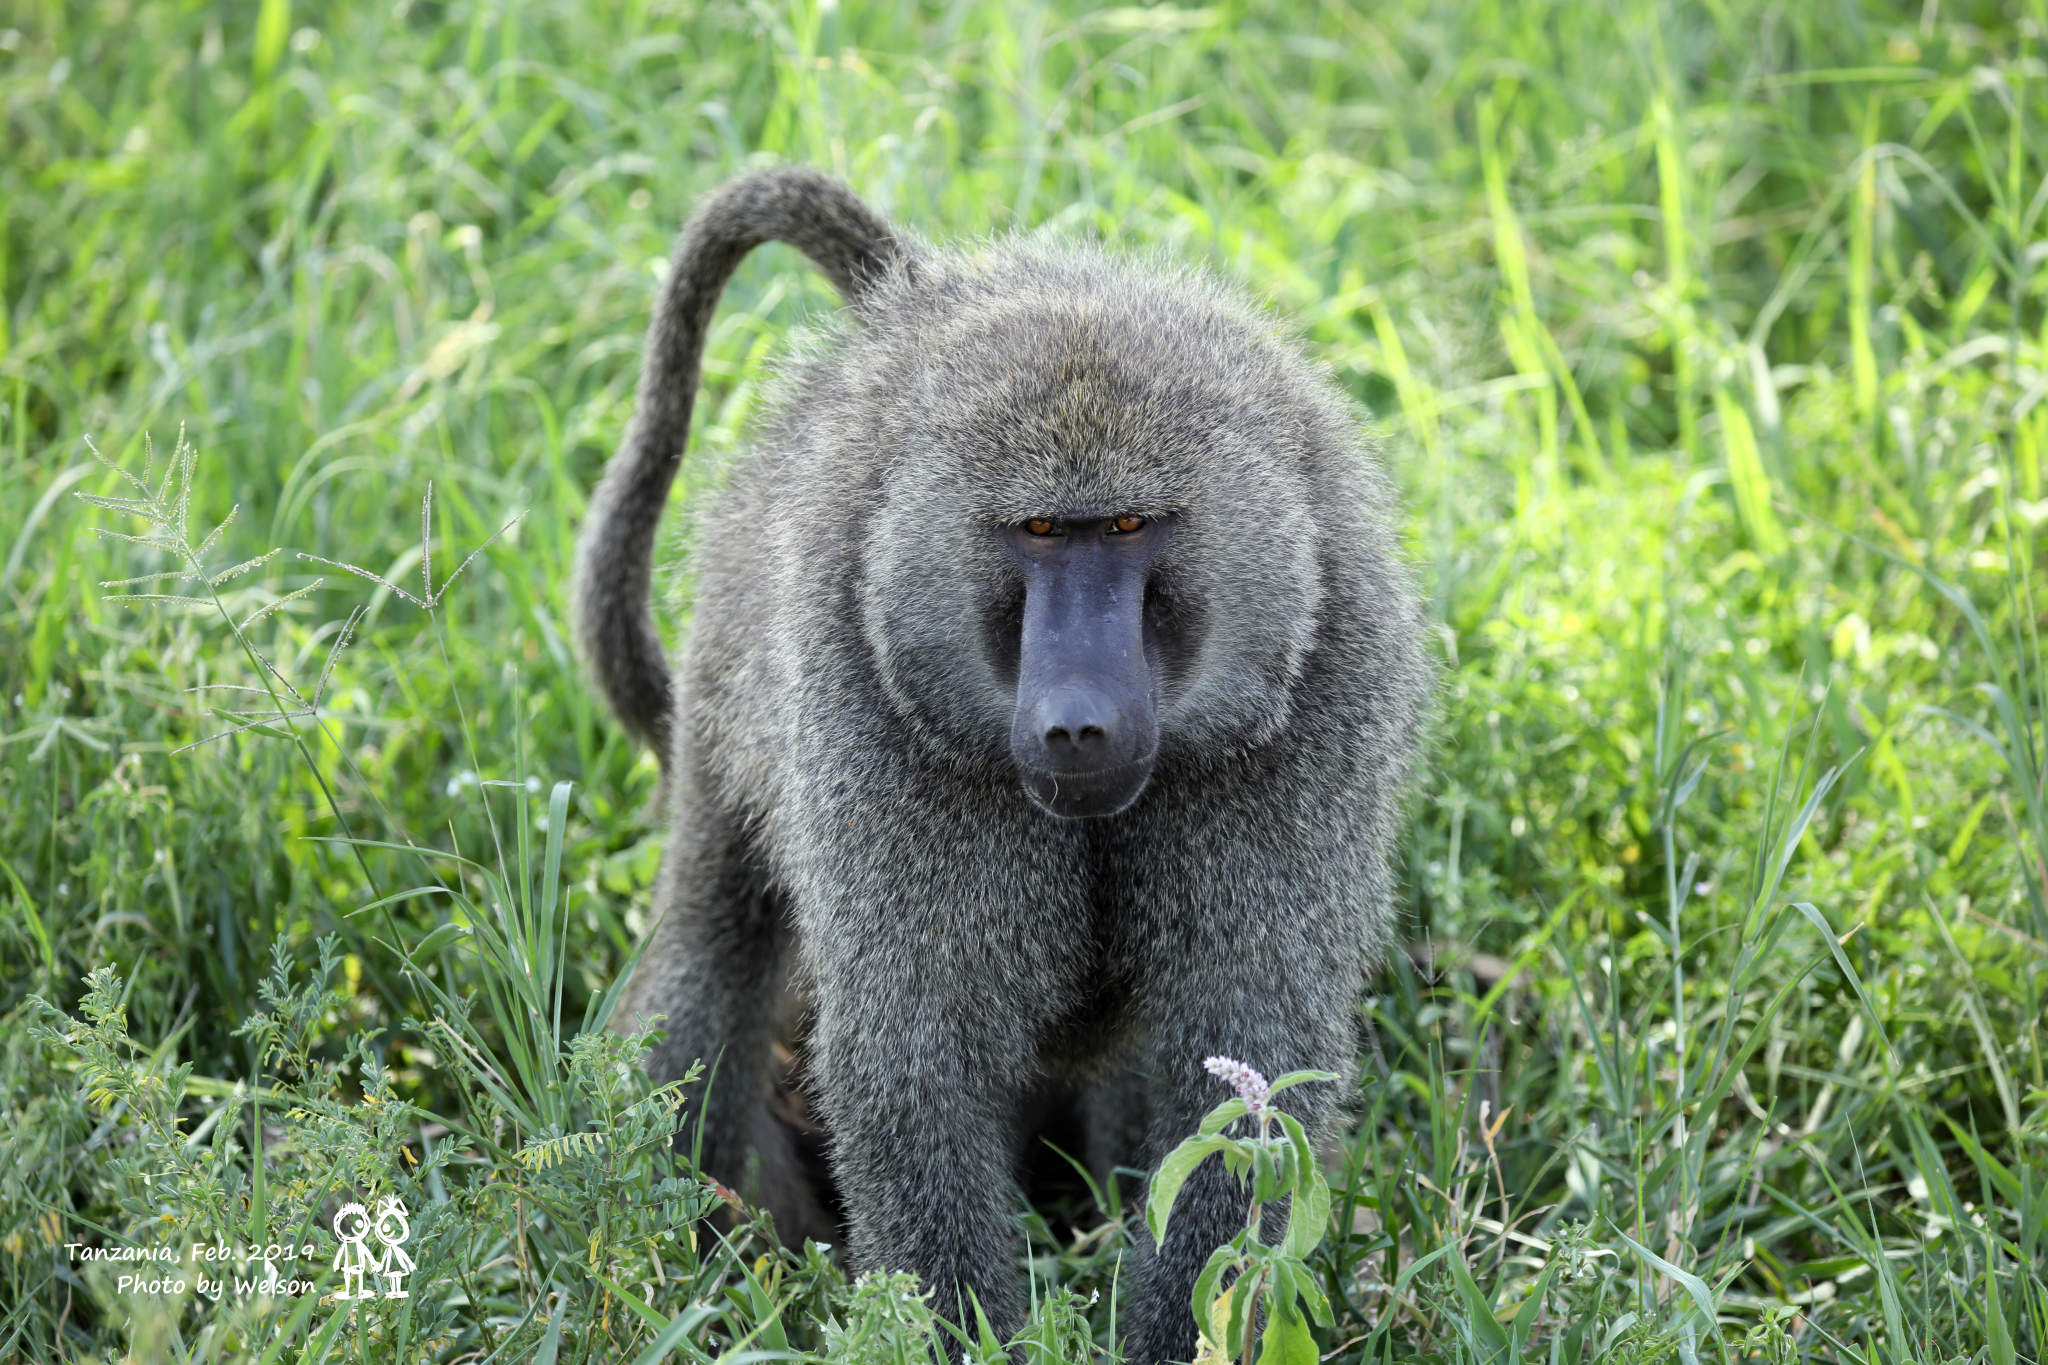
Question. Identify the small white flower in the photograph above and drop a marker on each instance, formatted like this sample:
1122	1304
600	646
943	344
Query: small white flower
1250	1086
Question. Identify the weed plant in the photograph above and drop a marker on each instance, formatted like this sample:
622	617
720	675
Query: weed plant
1708	342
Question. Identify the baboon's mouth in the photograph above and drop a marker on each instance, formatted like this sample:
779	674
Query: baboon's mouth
1079	796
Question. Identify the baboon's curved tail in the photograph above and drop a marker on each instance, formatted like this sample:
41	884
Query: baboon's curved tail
612	615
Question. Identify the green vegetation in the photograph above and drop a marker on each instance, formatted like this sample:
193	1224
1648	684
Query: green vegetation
1709	342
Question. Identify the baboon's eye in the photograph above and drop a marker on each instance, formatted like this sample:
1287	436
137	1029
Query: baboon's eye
1039	526
1128	523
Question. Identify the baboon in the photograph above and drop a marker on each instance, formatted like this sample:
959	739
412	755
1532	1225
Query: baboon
1051	685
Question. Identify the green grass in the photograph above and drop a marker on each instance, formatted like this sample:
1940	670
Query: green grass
1709	343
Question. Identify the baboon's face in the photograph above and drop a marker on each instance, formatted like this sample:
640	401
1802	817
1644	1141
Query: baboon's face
1091	556
1086	728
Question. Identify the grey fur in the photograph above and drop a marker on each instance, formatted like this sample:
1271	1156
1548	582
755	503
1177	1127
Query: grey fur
845	808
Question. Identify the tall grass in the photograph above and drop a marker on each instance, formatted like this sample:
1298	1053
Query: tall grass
1709	343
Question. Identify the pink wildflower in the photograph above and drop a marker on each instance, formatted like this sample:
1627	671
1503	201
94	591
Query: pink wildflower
1250	1086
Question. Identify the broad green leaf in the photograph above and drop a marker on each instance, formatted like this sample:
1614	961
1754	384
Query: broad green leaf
1297	1137
1173	1173
1309	1217
1243	1313
1222	1116
1294	1078
1266	1177
1206	1296
1281	1296
1287	1341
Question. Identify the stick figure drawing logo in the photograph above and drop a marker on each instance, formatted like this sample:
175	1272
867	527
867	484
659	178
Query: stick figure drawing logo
359	1264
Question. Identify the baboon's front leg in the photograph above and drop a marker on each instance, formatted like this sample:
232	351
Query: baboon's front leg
922	1116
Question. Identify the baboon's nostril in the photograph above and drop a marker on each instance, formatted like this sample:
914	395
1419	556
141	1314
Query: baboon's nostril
1075	724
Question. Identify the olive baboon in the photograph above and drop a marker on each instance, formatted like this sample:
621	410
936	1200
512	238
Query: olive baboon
1050	689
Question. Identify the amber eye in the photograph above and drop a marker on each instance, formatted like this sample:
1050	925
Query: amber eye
1039	526
1128	523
